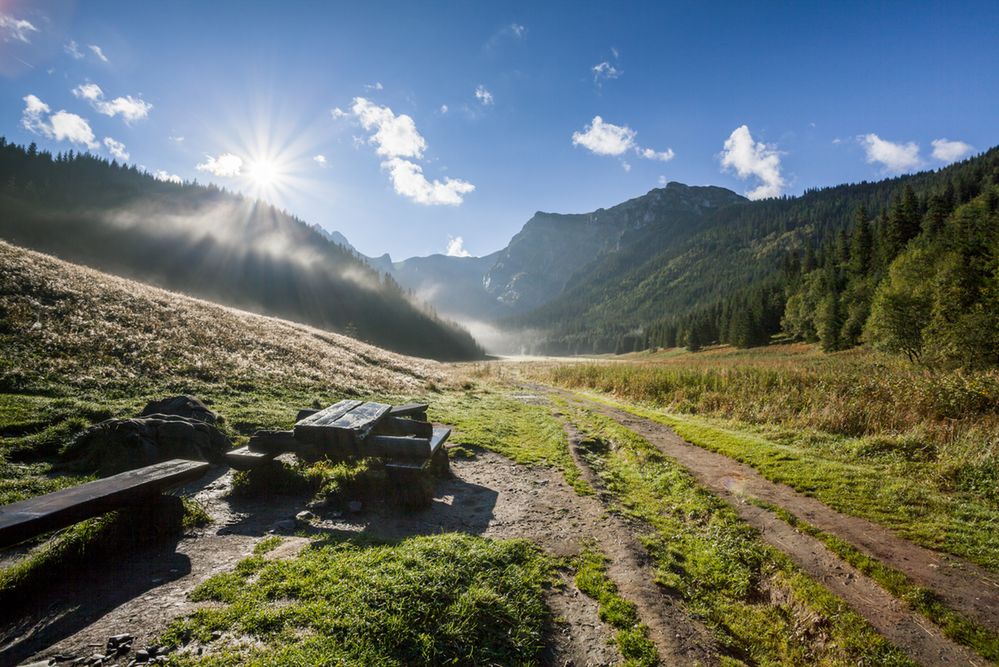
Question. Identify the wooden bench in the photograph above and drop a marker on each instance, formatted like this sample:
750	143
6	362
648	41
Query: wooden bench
27	518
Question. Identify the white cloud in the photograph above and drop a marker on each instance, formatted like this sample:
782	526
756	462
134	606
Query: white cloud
176	138
320	160
395	136
377	85
128	107
456	247
663	181
626	165
895	157
226	165
116	148
604	71
73	49
337	112
61	126
483	96
518	31
753	159
409	181
605	138
98	52
946	150
16	29
443	108
661	156
161	175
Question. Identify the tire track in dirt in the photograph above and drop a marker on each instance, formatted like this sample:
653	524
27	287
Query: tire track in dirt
733	481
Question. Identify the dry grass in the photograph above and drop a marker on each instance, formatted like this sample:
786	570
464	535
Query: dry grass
78	328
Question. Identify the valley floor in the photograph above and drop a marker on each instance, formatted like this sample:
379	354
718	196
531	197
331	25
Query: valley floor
699	558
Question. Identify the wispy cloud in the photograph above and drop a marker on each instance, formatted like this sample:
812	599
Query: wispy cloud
604	71
484	97
320	160
129	108
396	138
73	49
225	165
377	85
946	150
456	247
15	29
894	157
61	126
603	138
116	148
753	159
98	52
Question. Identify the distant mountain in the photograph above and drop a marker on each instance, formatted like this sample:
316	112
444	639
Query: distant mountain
334	237
213	244
546	258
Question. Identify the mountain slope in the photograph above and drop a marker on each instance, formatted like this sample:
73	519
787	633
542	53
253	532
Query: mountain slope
211	244
656	275
65	325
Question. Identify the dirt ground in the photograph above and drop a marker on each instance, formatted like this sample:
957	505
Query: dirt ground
964	586
488	495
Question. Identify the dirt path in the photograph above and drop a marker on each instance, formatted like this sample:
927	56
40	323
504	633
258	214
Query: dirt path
488	495
733	482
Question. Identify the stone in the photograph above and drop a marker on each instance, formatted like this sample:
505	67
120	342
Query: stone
142	655
116	445
181	406
118	642
305	516
216	635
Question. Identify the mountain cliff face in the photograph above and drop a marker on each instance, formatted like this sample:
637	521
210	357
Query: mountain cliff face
551	248
552	252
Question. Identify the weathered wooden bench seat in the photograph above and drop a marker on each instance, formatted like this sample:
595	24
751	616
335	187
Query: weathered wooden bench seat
33	516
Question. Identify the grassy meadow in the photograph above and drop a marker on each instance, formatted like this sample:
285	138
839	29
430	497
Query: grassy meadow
913	448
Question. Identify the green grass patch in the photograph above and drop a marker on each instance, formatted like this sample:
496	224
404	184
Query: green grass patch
442	599
959	524
918	598
762	609
526	433
632	637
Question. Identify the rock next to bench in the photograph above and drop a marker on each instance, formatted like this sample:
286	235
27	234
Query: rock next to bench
181	406
116	445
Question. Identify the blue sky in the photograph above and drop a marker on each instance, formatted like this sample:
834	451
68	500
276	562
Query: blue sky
762	98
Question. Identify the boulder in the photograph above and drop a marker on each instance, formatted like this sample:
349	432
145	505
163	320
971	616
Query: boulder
116	445
181	406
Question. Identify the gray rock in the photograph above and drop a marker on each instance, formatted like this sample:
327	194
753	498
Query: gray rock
116	445
181	406
305	516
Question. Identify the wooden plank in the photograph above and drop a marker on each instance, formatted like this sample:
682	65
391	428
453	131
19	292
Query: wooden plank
277	442
397	426
397	447
353	427
245	458
410	410
441	434
405	447
34	516
313	429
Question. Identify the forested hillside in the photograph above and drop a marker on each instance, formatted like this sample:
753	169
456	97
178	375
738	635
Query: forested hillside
209	243
813	267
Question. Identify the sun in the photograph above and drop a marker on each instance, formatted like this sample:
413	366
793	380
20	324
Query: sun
263	173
